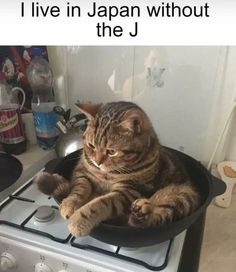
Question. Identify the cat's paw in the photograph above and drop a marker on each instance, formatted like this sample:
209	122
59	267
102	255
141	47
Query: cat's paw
68	207
53	185
46	182
80	224
141	212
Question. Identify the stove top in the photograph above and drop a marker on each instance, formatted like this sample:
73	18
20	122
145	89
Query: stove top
33	216
30	210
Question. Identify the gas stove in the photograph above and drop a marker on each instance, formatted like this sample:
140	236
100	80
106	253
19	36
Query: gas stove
34	237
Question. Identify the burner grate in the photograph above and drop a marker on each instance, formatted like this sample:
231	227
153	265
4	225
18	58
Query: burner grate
116	251
18	211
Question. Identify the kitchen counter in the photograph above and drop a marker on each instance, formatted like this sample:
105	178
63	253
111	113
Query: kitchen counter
32	160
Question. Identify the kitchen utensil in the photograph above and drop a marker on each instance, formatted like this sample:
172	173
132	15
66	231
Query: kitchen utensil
75	119
10	170
208	186
60	111
71	138
61	126
69	142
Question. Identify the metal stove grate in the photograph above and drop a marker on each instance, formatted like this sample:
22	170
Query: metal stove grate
24	225
116	253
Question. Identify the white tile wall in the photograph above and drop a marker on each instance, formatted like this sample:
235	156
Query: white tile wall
182	89
181	108
94	73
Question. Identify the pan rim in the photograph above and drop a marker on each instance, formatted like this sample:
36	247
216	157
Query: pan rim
199	210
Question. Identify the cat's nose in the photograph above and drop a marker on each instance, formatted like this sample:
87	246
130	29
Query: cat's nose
99	158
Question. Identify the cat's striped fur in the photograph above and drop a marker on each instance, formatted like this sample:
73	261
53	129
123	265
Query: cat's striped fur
123	171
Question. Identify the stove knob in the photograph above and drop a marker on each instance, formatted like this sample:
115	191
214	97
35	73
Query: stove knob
7	261
41	267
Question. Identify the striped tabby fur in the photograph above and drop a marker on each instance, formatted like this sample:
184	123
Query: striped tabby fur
123	171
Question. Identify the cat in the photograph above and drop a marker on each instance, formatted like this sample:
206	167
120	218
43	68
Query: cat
123	170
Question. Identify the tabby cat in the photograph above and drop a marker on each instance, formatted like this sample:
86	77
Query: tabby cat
123	171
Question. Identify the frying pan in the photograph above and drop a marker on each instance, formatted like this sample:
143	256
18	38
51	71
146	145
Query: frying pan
208	186
10	170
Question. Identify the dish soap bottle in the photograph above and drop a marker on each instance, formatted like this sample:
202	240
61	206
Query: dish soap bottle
40	78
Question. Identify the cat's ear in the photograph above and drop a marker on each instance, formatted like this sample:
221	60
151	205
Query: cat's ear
134	121
89	109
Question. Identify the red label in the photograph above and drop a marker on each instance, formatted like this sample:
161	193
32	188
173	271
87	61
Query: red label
10	126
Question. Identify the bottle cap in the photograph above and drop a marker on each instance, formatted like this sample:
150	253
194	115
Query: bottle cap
37	51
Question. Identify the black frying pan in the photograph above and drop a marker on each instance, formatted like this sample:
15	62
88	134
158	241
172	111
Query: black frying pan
208	186
10	170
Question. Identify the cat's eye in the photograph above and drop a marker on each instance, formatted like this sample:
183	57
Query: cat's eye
112	152
91	146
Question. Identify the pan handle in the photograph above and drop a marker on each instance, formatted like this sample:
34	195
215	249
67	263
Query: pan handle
219	186
51	165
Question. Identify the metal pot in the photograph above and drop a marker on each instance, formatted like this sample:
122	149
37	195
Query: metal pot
71	137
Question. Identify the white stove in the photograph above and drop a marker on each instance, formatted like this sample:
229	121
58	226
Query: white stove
34	237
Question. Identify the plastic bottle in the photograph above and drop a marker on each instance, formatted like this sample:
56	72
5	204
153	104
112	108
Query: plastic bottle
40	77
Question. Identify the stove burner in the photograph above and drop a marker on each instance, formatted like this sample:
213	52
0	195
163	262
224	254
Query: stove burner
44	214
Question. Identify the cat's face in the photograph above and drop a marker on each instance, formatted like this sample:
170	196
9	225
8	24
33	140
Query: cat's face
115	138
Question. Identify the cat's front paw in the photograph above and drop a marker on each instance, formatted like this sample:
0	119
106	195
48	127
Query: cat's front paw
68	207
80	224
53	184
141	212
46	182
